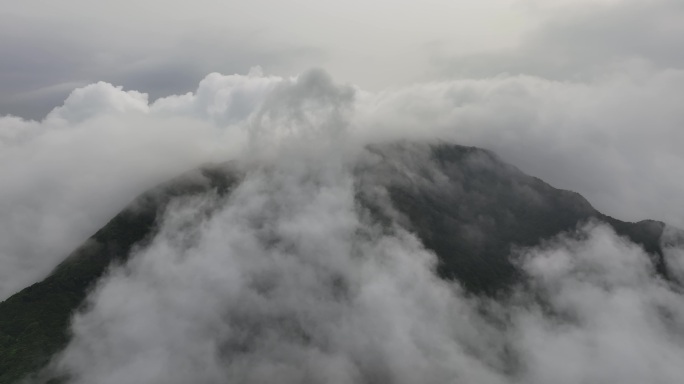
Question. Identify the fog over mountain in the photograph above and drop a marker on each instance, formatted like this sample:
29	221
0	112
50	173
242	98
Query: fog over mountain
66	175
310	267
467	192
288	279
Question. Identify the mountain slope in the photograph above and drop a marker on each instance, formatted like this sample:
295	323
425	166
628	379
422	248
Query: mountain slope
470	208
34	322
464	204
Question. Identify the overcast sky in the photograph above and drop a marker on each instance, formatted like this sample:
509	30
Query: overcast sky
584	94
165	47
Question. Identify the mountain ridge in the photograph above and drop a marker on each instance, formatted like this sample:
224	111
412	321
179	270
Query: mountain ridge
464	203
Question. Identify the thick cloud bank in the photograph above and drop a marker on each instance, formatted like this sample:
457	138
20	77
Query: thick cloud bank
65	176
615	140
287	280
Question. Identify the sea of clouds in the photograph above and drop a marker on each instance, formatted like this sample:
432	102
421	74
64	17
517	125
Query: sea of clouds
287	280
615	140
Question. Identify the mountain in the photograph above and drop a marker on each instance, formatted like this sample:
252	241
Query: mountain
464	203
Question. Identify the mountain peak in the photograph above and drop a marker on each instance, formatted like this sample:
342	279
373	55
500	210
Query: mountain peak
464	204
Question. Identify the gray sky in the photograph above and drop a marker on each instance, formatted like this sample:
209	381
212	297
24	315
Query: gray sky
164	47
583	94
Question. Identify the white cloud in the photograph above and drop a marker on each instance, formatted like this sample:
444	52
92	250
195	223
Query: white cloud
285	279
614	141
97	100
166	47
65	176
605	317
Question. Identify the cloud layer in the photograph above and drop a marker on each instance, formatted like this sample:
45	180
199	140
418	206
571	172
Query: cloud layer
166	47
287	280
613	140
